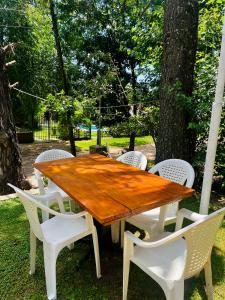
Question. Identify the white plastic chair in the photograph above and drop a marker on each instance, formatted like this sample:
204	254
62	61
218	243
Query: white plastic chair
51	187
134	158
56	233
176	170
177	256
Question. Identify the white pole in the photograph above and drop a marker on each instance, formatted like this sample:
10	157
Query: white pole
213	131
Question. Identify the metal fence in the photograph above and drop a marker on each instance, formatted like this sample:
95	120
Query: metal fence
48	129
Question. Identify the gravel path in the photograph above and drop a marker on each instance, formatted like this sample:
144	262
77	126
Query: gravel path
31	151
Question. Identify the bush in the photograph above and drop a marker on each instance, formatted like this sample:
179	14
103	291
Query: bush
119	130
124	130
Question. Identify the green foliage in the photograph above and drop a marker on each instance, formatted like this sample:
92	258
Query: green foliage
125	129
113	53
66	108
35	57
149	118
210	26
102	44
145	122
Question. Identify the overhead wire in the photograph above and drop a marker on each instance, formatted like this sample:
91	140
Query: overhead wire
11	9
18	10
84	106
26	93
15	26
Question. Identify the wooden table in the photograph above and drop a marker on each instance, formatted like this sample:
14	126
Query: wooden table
110	190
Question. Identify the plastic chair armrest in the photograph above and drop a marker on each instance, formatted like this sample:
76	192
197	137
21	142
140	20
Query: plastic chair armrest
52	196
188	214
40	182
64	215
74	216
166	240
46	197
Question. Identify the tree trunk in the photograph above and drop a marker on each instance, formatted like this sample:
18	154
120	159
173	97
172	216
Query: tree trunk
132	141
180	43
63	73
10	157
134	110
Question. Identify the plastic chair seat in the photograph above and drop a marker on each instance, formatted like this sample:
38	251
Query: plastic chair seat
150	217
57	230
166	262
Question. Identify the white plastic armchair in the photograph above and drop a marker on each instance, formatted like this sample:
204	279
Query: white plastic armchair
177	256
51	187
176	170
56	233
135	159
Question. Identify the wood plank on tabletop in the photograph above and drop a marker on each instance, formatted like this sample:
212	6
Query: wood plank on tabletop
109	189
139	190
77	183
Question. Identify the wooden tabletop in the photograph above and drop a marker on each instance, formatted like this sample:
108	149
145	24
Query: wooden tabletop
110	190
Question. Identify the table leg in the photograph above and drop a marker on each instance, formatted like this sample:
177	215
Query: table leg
115	232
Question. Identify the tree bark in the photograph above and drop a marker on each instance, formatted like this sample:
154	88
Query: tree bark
65	81
10	158
180	43
134	110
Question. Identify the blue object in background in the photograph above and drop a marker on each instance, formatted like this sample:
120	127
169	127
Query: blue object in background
93	127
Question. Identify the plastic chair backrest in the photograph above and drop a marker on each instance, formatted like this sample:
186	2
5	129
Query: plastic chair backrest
52	154
176	170
31	208
49	155
134	158
200	238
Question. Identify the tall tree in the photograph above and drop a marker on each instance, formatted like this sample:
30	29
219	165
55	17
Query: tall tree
10	159
63	73
180	43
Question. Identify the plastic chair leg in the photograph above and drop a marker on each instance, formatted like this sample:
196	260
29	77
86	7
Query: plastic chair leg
72	205
174	290
208	279
115	232
33	245
122	229
96	252
71	246
45	216
126	270
50	271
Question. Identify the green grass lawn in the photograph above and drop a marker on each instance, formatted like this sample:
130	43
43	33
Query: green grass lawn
115	142
82	284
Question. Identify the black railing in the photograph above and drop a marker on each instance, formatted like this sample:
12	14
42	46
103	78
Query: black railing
48	129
